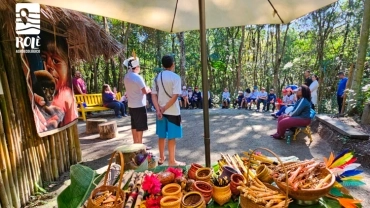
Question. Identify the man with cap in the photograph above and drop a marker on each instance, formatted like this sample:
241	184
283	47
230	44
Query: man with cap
341	88
136	95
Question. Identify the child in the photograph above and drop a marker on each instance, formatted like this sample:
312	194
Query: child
226	98
271	99
252	99
184	97
240	99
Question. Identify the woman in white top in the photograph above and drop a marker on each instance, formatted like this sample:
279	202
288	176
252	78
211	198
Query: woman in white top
314	86
184	97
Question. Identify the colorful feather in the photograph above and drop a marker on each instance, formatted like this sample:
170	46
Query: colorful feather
335	192
356	177
337	171
337	184
345	151
342	160
348	163
329	161
349	173
348	203
352	183
351	166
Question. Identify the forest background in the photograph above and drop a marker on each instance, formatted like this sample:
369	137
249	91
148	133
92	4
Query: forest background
325	42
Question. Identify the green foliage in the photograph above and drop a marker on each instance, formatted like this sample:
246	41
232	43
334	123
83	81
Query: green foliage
324	42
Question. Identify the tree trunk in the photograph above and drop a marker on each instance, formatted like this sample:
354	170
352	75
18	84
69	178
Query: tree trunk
92	125
359	70
240	56
181	37
96	87
365	119
158	46
277	56
114	73
92	77
106	73
108	130
124	39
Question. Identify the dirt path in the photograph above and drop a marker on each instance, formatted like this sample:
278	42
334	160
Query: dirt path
232	131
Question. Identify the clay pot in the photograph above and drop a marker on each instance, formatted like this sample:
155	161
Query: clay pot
264	174
227	171
236	180
205	189
221	195
170	202
172	189
193	199
203	174
166	177
193	168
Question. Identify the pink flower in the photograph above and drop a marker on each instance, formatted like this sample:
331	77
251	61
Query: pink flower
151	184
153	201
176	171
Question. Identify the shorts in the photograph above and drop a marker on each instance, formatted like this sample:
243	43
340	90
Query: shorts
250	99
169	127
139	118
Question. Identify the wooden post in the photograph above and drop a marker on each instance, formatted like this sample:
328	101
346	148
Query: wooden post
53	158
92	125
108	130
77	143
348	85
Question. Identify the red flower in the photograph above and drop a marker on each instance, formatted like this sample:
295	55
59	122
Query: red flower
153	201
151	184
176	171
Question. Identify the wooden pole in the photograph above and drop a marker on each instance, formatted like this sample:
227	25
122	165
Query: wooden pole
53	158
3	196
71	146
3	167
77	143
348	86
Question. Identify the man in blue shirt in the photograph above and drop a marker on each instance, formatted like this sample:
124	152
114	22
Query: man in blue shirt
341	88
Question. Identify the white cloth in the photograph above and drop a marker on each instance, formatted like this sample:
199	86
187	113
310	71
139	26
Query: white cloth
123	99
225	95
247	95
190	94
133	84
313	87
172	84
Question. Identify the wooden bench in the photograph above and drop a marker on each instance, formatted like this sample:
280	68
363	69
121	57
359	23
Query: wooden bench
93	102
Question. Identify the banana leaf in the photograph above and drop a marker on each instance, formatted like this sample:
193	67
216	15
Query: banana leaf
83	181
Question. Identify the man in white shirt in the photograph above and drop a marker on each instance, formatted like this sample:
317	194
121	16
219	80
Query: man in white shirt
136	96
262	98
165	91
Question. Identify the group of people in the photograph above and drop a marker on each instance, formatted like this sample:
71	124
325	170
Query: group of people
163	96
190	99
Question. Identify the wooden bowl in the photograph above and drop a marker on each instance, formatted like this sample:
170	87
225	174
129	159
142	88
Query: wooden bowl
309	194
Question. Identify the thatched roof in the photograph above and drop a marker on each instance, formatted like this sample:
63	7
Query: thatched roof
86	39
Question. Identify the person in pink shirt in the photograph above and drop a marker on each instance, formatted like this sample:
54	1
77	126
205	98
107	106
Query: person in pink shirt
79	86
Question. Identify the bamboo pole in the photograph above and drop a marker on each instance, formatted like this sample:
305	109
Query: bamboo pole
57	152
77	143
43	161
3	167
4	201
48	154
10	171
53	158
72	149
66	147
60	149
28	171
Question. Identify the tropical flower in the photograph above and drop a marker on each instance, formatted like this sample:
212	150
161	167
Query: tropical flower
176	171
151	184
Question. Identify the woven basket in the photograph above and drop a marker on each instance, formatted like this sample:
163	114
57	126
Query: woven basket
193	199
247	203
309	194
115	190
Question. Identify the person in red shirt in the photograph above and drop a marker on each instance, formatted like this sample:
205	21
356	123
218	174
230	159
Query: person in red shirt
79	86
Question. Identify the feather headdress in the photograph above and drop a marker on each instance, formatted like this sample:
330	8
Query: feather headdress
344	169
